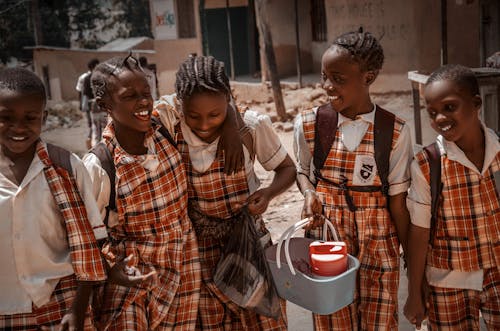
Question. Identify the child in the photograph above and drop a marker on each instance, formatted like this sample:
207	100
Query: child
150	221
460	252
49	255
345	180
203	95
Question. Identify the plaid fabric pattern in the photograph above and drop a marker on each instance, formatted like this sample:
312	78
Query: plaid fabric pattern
212	187
85	255
467	234
153	225
458	309
369	233
216	194
50	314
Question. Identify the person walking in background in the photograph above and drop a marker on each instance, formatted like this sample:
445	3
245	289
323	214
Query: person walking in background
85	97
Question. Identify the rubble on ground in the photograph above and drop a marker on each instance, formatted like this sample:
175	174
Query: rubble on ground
62	114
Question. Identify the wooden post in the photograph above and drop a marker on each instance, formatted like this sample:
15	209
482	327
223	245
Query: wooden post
230	39
444	32
270	59
297	44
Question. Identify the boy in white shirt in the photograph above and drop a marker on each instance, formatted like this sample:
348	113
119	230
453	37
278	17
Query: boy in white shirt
50	223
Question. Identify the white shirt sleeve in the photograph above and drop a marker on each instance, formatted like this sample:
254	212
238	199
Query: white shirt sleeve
302	152
79	83
166	108
101	186
85	186
268	148
399	163
419	198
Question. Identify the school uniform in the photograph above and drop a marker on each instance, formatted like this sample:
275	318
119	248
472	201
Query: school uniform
368	231
47	243
151	222
463	259
219	196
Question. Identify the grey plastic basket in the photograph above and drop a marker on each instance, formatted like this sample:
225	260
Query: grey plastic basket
321	295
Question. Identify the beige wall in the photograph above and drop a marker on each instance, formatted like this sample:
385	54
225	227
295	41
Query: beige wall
281	20
411	32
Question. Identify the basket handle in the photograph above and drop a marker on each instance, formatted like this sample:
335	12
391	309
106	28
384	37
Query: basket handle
289	233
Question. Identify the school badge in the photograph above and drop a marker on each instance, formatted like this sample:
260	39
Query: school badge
365	169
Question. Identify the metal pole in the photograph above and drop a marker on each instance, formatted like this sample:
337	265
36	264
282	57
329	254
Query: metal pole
297	44
231	57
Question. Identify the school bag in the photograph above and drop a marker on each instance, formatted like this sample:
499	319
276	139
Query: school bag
60	157
436	185
324	134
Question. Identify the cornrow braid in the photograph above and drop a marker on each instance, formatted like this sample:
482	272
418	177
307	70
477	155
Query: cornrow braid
363	47
112	67
201	74
460	75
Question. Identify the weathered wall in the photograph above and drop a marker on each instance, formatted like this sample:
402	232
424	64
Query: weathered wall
281	20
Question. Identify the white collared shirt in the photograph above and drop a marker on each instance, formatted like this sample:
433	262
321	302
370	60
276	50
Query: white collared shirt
419	206
352	133
34	252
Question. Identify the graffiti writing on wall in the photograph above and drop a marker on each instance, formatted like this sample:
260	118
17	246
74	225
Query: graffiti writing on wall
166	18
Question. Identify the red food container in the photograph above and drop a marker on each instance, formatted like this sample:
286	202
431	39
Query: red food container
328	258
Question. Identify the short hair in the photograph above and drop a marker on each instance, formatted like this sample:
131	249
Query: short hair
201	74
92	64
23	81
143	61
460	75
363	47
112	67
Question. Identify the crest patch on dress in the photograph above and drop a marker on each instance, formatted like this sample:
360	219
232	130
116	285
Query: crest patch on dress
365	169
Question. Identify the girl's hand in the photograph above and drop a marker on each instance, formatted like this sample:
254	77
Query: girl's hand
258	202
124	274
312	208
414	310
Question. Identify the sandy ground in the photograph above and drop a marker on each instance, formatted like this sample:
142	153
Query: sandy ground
285	209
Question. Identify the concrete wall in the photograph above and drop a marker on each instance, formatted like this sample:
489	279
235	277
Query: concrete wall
281	20
411	31
65	66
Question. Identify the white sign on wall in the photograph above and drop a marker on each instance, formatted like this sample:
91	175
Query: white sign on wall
164	19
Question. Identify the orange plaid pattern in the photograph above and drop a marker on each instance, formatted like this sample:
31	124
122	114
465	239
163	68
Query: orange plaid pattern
458	309
216	194
50	314
153	225
369	233
467	236
85	255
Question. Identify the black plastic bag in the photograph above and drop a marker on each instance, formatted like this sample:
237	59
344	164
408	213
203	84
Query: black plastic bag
242	273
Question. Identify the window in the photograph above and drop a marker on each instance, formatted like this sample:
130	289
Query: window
186	27
318	20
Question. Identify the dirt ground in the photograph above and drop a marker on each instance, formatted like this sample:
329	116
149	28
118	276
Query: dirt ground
68	129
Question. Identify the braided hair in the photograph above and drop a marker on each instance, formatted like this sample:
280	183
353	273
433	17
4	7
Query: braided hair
363	47
112	67
23	81
201	74
460	75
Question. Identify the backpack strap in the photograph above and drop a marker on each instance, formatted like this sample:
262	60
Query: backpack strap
434	157
60	157
325	129
384	130
164	131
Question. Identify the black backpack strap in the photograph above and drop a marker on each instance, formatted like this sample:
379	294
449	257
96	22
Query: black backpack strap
107	163
434	157
383	133
60	157
325	129
164	131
